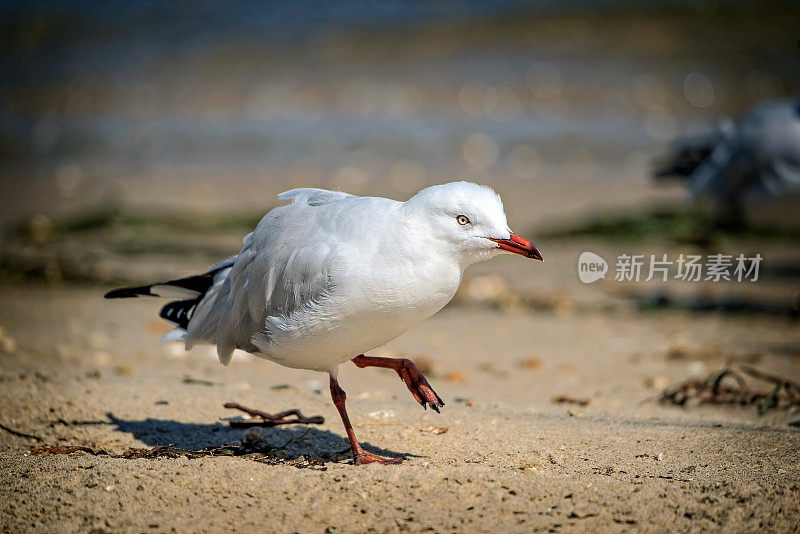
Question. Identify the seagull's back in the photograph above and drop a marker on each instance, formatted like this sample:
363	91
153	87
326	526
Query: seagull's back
323	278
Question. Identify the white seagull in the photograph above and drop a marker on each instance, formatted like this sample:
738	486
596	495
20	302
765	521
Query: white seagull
330	276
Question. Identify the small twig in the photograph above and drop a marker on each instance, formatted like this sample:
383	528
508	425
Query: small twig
20	434
266	419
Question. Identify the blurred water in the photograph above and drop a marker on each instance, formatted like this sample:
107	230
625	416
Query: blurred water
351	93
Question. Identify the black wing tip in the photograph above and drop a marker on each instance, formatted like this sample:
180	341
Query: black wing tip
127	293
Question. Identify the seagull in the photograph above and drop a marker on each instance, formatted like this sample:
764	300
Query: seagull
330	276
759	156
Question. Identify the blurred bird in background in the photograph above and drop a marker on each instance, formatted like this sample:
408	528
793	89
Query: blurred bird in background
757	158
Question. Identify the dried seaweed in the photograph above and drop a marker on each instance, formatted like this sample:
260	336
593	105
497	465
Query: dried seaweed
729	386
250	447
170	451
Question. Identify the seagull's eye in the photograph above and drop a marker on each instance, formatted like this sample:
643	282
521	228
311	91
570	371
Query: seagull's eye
462	220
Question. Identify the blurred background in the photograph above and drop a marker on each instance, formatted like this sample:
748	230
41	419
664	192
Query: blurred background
181	104
139	117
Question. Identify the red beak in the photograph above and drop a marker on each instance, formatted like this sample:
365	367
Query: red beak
519	245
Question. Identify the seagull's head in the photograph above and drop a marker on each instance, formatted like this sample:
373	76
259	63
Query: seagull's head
467	220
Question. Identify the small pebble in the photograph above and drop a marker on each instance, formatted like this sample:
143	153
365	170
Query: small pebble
7	344
531	363
697	368
123	370
382	414
102	358
39	228
454	376
657	382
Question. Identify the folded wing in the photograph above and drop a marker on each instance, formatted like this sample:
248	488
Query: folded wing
287	263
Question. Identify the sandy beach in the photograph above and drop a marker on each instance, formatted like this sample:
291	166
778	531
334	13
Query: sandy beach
552	422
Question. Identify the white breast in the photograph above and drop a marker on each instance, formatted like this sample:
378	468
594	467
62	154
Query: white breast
369	308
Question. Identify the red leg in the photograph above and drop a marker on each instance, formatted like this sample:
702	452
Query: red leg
361	456
415	382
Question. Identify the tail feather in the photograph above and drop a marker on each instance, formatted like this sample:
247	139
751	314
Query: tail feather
179	312
191	290
176	334
190	286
